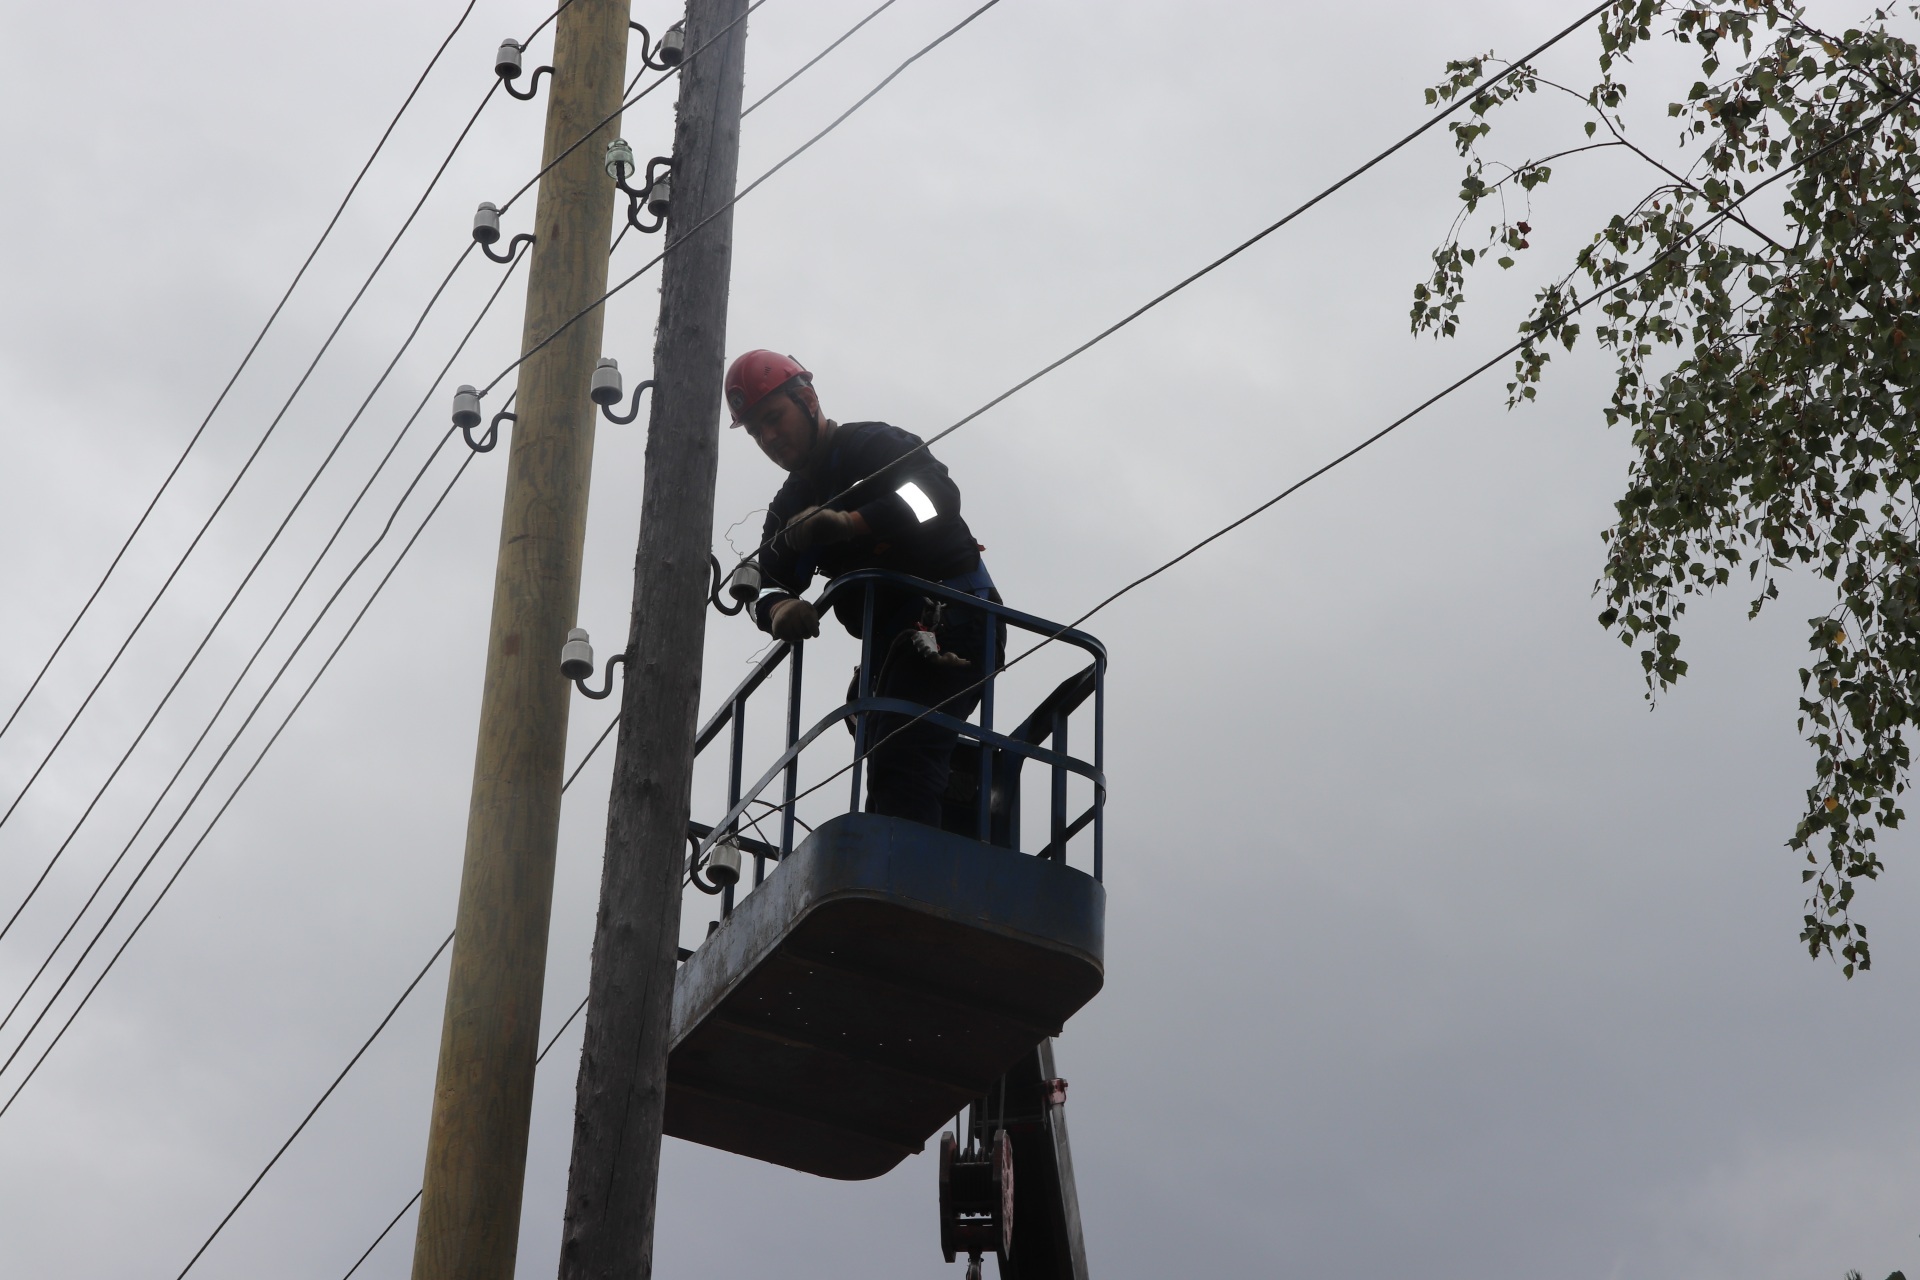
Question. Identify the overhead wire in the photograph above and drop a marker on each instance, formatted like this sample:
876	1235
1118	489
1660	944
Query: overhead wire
1720	215
611	725
231	795
406	427
73	971
1723	213
1463	102
809	64
140	622
252	456
740	195
368	1044
245	359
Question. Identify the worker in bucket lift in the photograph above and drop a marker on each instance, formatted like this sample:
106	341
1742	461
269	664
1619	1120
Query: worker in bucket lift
865	495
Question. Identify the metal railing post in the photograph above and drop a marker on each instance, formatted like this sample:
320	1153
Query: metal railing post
1057	834
989	663
1100	767
863	688
793	765
736	752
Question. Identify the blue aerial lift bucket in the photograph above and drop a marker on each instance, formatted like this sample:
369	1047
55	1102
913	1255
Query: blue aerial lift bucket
881	977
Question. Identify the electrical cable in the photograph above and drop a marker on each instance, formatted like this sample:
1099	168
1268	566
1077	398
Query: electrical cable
395	1221
232	795
234	688
235	739
808	65
254	455
1722	214
180	819
1464	101
245	359
742	194
315	1109
368	1044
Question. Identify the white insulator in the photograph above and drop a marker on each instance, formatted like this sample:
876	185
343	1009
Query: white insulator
466	407
506	63
576	655
673	46
744	585
660	196
607	388
486	223
619	159
723	863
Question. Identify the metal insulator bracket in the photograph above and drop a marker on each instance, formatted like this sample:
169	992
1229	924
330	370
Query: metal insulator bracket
743	585
608	390
576	664
723	857
467	415
668	53
486	233
506	65
655	194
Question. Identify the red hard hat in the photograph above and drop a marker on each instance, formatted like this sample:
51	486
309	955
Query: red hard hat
758	374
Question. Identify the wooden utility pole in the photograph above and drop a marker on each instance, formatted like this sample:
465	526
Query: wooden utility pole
623	1063
483	1094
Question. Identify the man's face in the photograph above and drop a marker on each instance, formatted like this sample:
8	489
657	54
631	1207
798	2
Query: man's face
782	428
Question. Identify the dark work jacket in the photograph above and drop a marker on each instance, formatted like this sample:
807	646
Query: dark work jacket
935	549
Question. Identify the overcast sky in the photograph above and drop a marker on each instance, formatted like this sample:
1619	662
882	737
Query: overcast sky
1430	949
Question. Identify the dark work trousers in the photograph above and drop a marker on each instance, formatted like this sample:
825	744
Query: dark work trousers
907	773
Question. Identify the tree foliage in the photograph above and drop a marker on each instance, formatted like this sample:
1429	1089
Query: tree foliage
1756	300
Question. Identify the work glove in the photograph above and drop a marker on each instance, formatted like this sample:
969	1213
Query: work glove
793	620
818	527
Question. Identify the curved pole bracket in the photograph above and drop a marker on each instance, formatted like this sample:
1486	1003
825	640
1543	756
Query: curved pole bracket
533	83
633	406
606	682
664	58
485	443
513	247
719	581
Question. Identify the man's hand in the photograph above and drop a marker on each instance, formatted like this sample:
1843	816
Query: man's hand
792	620
818	527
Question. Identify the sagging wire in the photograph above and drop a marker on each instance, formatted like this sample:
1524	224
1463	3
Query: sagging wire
246	358
245	466
361	1052
1722	215
1431	122
234	688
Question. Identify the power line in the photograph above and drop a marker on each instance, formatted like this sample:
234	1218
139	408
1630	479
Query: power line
233	794
254	455
808	65
1720	215
395	1221
367	1044
314	1110
245	359
47	758
1465	100
4	929
569	781
234	688
743	193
